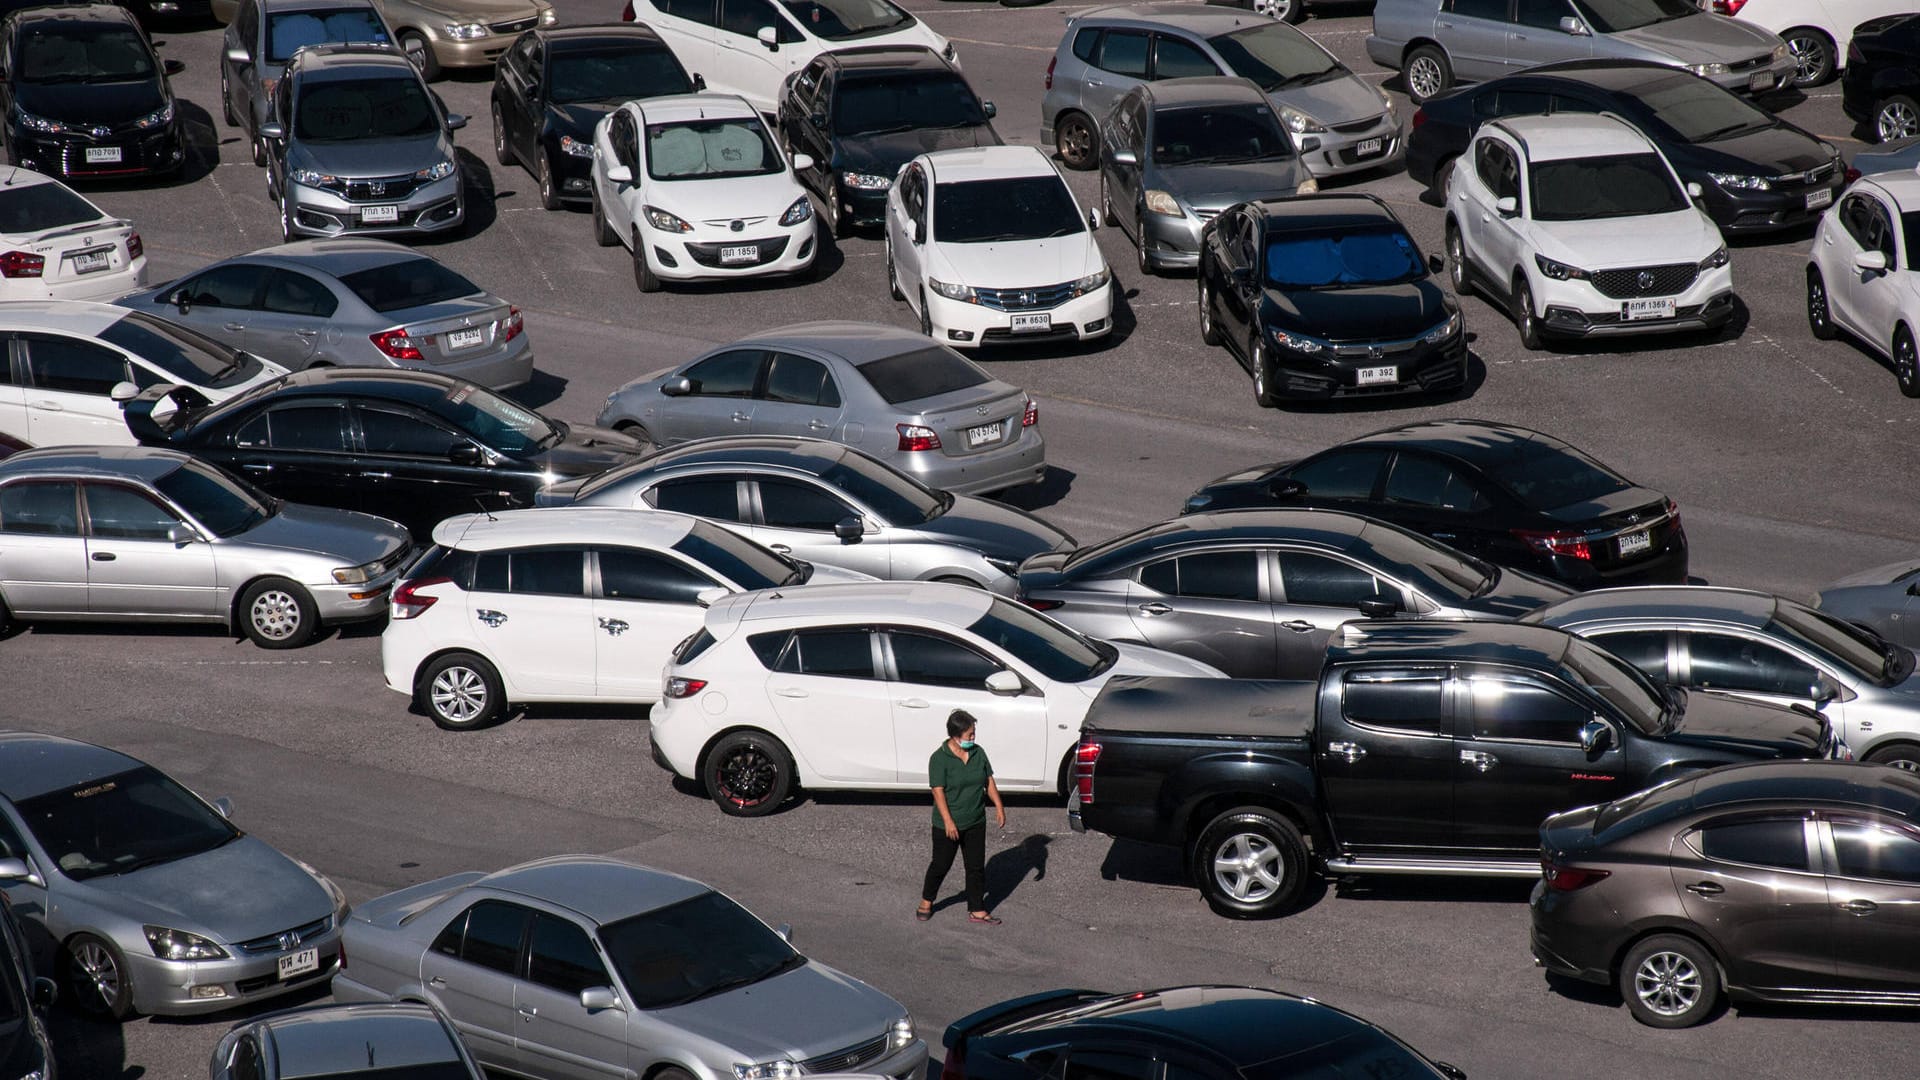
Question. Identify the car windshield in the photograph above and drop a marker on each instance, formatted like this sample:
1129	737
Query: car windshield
1866	655
739	559
1614	185
921	374
897	498
1696	110
904	103
32	208
1342	258
391	107
1275	55
615	75
693	949
53	52
838	20
705	149
1618	683
291	30
408	283
1613	16
220	504
1218	135
1016	208
494	421
1546	477
1060	654
118	824
181	353
1453	571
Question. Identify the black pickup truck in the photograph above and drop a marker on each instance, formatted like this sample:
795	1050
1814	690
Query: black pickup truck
1424	748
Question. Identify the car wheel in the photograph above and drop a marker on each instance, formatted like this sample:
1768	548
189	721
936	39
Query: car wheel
638	434
420	51
1209	333
1523	317
603	233
837	222
1076	141
1812	52
1443	178
748	773
502	153
1819	318
1106	203
643	274
1670	981
1904	363
96	978
1140	256
460	692
226	99
1250	864
1287	11
1262	373
893	275
259	152
926	315
278	614
1426	72
1456	259
549	194
287	235
1898	117
1899	755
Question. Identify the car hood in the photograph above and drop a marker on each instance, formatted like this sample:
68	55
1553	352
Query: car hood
1215	186
884	154
1750	727
995	529
236	892
91	103
1654	240
587	450
372	157
1702	39
1879	575
836	575
731	197
1336	101
578	118
1375	313
350	537
799	1014
1516	592
1016	264
1770	151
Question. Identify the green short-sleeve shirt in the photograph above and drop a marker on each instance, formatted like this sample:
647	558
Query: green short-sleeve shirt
965	783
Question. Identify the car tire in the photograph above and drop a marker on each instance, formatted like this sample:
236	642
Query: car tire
287	235
1898	117
837	222
1077	141
460	692
502	153
1457	259
748	774
95	977
1261	369
1287	11
420	51
638	434
1813	56
1897	755
549	190
1669	981
893	275
1426	72
1819	313
1443	176
1523	317
226	99
259	152
1209	333
603	233
926	315
1107	216
643	275
1250	863
1906	367
276	613
1141	258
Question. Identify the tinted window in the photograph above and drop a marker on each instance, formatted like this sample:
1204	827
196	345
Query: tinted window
936	661
182	353
1341	475
1545	14
1177	59
769	648
384	431
1615	185
76	367
408	283
688	950
492	940
1508	102
1517	709
125	514
1696	110
622	75
1056	651
1014	208
1234	134
737	558
1732	663
1644	649
549	572
290	30
700	11
897	498
1275	55
923	374
626	574
1613	16
1400	700
1124	52
561	956
40	509
1840	640
31	208
1328	582
297	294
339	110
904	102
308	427
704	497
1302	259
221	504
1086	1065
787	504
1876	852
113	825
839	20
746	17
1780	843
1546	477
57	50
800	381
1221	575
731	374
1422	481
1084	41
842	653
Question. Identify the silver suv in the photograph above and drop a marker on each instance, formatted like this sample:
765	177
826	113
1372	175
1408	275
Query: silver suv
356	143
1337	121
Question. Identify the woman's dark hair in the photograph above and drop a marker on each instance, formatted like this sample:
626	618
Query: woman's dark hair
958	721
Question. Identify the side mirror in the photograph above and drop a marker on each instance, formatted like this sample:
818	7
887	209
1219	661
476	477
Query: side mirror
1005	683
1125	157
465	453
45	990
238	55
786	932
1571	25
1695	191
183	301
1379	607
850	530
455	121
699	82
172	67
1308	145
180	535
1242	276
15	870
1823	690
619	174
598	998
709	597
1507	205
1093	220
802	162
678	386
769	38
1596	736
818	118
989	109
1281	487
123	392
272	129
1435	264
1451	1072
1871	261
224	807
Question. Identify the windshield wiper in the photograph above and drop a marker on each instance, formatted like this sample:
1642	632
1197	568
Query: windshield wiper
1721	133
895	130
720	987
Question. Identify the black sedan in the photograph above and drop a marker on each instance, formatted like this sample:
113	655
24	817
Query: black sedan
1506	494
1323	296
1197	1032
863	113
1880	86
86	95
555	83
413	446
1757	172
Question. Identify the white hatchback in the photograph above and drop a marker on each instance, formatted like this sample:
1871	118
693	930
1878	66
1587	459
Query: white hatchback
989	245
697	188
56	245
1863	272
850	687
563	604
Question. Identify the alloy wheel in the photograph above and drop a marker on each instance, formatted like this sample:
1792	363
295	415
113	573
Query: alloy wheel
1667	983
747	775
1423	77
1906	367
459	694
1206	312
1897	119
1075	142
95	975
1457	256
1817	305
276	614
1247	867
1811	64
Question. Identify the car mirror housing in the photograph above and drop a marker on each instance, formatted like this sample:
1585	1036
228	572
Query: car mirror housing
1281	487
172	67
15	870
1823	690
1435	264
802	162
1507	205
224	807
123	392
45	991
770	38
786	932
619	174
238	55
598	998
699	82
1005	683
1571	25
1871	261
850	530
1596	736
1308	145
465	453
272	130
180	535
456	121
677	386
1379	607
989	109
1125	157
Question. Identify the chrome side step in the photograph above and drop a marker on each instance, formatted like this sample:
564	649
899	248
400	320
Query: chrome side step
1390	864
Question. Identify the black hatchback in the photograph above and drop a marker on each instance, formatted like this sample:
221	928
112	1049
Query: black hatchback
412	446
1504	493
1880	86
25	1050
84	95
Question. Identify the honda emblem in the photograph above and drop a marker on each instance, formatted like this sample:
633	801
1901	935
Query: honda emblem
377	187
289	940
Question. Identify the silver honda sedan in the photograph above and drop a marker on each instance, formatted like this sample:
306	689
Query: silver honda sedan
143	896
579	966
139	534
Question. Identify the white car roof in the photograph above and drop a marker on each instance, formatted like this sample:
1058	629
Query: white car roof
70	316
598	525
1903	186
678	108
1575	135
16	177
988	163
837	605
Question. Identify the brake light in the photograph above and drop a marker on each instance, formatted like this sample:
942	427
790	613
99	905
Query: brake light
1855	54
1673	515
409	603
1043	605
135	248
916	437
1419	117
679	687
955	1066
513	325
22	264
1572	544
1728	7
1049	82
1568	878
1085	757
626	13
1852	174
1032	415
396	343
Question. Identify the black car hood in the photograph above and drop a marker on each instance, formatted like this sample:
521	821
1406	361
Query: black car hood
1746	728
884	154
1382	312
578	118
1515	593
588	450
1770	151
90	103
1224	184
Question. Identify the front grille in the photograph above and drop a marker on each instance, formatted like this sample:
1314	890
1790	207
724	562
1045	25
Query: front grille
1763	60
1358	126
1038	298
513	27
271	943
1811	178
261	982
1207	213
1637	281
73	159
846	1059
766	252
379	188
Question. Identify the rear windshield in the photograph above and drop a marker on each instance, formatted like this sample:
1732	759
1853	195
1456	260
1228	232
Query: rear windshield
291	30
408	283
1456	571
1878	660
390	107
1549	477
615	75
838	20
33	208
926	373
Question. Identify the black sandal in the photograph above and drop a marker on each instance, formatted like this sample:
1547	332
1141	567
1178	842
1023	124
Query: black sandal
984	920
922	914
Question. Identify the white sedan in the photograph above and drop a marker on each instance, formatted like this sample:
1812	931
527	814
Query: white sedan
988	245
54	244
697	189
1863	274
849	686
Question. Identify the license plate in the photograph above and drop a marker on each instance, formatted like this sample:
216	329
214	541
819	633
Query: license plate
1634	543
465	339
1031	324
102	155
88	262
1762	80
1661	308
299	963
985	435
1820	198
1368	147
746	253
1377	376
379	215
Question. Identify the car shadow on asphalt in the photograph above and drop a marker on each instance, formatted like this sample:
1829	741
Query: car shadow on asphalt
93	1048
1052	487
1152	864
544	388
1434	889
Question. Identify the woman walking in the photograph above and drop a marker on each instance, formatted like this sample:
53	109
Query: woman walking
962	782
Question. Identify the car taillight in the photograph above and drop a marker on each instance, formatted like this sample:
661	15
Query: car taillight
135	248
679	687
955	1067
22	264
1568	878
1673	515
1572	544
408	602
513	325
1043	605
1852	174
1049	80
396	343
1855	54
1728	7
916	437
1032	415
1419	117
626	13
1085	757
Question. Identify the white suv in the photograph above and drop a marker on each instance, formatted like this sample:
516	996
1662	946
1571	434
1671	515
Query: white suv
850	686
563	604
1863	273
1581	227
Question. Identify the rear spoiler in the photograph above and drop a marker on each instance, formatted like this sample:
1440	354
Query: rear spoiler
139	407
1019	1008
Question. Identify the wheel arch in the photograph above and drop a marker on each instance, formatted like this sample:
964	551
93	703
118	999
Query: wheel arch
1195	818
1907	739
444	651
1689	931
700	773
1416	42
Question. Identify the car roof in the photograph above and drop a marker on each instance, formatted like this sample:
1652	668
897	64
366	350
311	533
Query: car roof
1205	20
887	58
148	463
1903	186
1856	783
1494	642
275	7
73	316
32	763
340	256
1477	441
855	342
1246	1025
343	1039
742	451
1340	209
1573	135
597	525
412	385
1742	607
1202	91
1329	527
679	108
934	601
989	163
597	35
602	889
348	59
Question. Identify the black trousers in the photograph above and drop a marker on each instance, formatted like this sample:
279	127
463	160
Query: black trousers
972	847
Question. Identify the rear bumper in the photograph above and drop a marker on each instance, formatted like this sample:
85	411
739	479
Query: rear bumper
1021	461
103	287
1075	821
510	367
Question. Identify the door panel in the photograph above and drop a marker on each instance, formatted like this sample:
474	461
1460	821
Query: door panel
469	973
798	397
1747	882
1524	761
43	559
1875	894
1208	606
558	1037
1386	760
1475	36
133	568
1318	593
797	518
827	691
646	607
935	675
67	400
529	609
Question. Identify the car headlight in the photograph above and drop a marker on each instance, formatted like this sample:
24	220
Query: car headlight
179	945
1707	69
1779	52
1718	259
1557	270
1309	186
800	211
465	31
1444	331
1300	123
953	57
1300	342
1160	202
547	16
435	172
159	116
664	221
354	575
312	178
40	123
1739	182
861	181
1091	282
901	1034
765	1070
951	291
571	145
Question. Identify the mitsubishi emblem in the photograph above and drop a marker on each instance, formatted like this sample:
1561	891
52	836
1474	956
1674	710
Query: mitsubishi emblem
1645	280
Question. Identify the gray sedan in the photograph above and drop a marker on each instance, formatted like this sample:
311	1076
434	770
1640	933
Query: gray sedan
142	895
920	407
1885	599
827	504
577	967
137	534
396	1041
353	302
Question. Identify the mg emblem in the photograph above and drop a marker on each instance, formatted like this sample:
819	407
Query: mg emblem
737	225
1645	280
377	187
289	940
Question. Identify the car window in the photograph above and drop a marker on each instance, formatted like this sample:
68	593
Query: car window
73	366
1347	474
40	508
1564	103
1175	58
1876	852
1230	134
1543	14
746	17
1094	1065
1724	662
122	513
789	504
1328	582
715	497
290	293
700	11
843	20
245	1062
846	654
1084	41
800	381
706	149
218	501
1479	9
694	949
929	660
1644	649
183	354
1856	216
921	374
546	572
390	431
626	574
1004	209
1510	102
297	427
1775	842
900	102
561	957
1275	55
1409	700
1217	575
493	934
1509	707
1423	481
1124	52
731	374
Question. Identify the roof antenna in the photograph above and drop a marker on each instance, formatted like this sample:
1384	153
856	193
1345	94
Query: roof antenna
484	512
11	173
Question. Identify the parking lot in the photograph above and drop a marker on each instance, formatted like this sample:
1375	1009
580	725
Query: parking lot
1791	459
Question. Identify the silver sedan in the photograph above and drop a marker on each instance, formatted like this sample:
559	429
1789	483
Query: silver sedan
137	534
342	1042
350	303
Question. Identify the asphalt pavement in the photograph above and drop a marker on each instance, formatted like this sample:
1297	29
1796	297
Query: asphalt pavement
1791	460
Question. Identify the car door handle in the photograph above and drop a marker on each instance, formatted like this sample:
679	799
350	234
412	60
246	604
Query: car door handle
1860	907
791	691
818	425
376	475
235	327
1479	759
436	982
50	406
1352	751
104	556
1518	37
490	616
614	627
257	466
1156	608
306	333
1706	888
741	417
1444	25
528	1014
780	548
1095	82
912	703
1298	626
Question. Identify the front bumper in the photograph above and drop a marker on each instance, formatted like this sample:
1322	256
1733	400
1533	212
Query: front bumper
338	603
1171	243
966	326
141	153
903	1064
1418	368
430	208
1762	80
572	175
1768	211
864	208
188	987
698	255
479	52
1575	308
1021	460
1341	152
